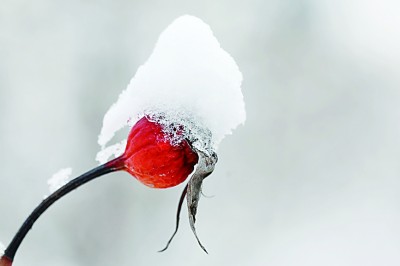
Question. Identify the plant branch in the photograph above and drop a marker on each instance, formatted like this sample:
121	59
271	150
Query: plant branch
112	166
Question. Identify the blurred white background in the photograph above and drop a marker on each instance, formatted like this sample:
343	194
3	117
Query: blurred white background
311	179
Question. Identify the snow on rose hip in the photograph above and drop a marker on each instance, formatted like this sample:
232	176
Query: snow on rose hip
179	106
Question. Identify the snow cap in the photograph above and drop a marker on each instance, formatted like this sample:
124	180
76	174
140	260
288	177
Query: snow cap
188	79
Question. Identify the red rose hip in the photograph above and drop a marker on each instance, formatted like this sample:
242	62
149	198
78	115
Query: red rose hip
153	159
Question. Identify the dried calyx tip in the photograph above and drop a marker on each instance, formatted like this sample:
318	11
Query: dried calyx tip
192	192
178	214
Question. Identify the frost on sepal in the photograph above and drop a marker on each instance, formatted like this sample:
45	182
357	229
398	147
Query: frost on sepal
179	125
204	168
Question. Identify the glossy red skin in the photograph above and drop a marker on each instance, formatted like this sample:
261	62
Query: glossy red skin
153	160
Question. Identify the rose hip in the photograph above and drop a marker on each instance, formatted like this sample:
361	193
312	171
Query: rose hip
152	159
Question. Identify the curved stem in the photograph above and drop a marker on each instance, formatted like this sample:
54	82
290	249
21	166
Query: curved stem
112	166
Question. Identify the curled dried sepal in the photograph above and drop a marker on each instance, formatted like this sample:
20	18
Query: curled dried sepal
178	214
4	261
192	190
204	168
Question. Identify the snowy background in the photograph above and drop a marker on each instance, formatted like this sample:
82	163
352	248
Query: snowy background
311	179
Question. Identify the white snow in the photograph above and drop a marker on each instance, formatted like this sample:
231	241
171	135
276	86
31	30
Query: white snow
117	149
188	80
2	248
59	179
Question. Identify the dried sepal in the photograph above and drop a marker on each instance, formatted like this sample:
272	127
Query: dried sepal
192	192
178	214
204	168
